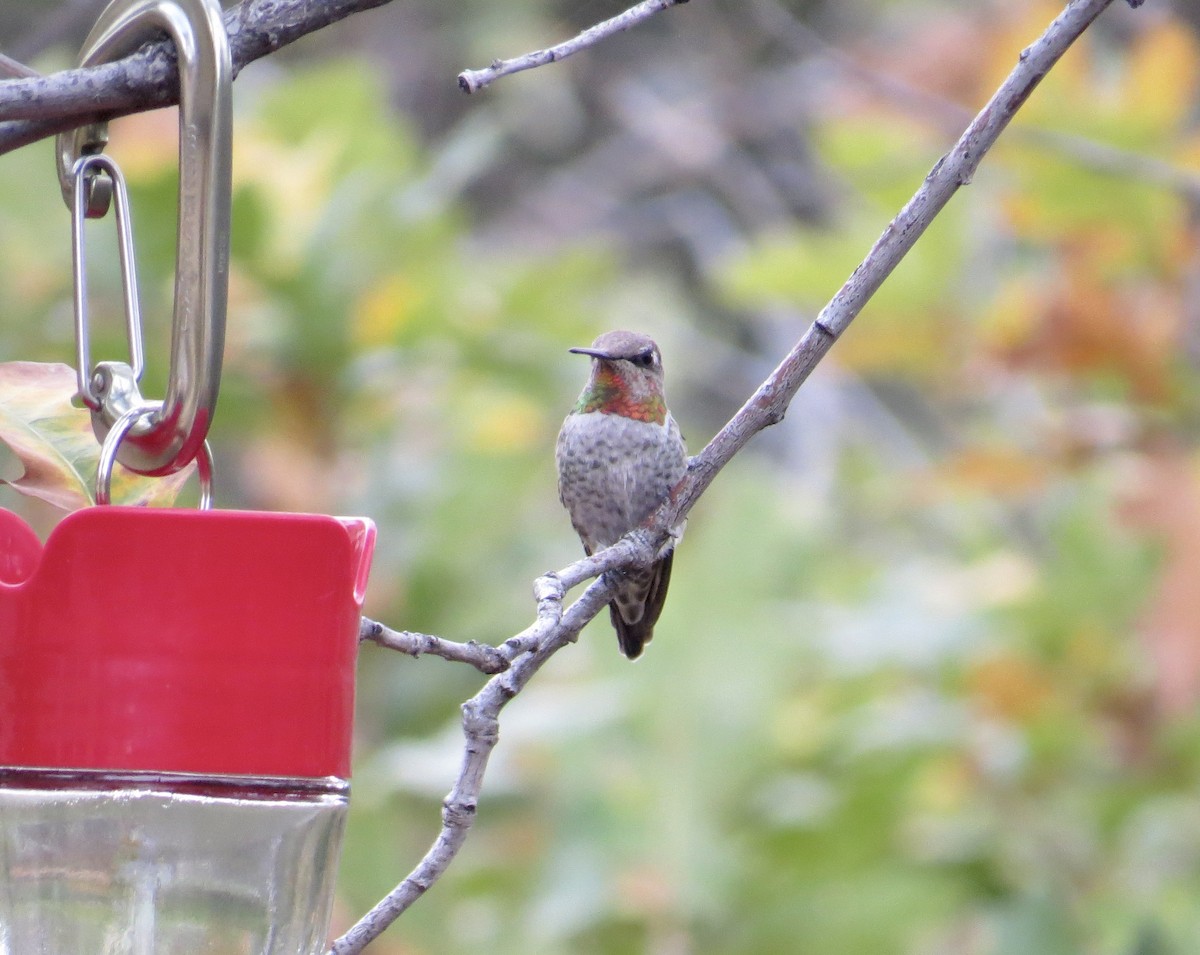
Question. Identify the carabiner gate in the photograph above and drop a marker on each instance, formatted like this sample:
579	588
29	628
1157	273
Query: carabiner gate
172	433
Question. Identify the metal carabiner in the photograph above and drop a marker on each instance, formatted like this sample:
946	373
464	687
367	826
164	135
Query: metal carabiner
174	434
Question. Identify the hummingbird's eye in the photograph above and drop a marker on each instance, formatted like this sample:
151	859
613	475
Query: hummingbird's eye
644	360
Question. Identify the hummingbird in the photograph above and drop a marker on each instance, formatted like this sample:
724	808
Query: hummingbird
619	453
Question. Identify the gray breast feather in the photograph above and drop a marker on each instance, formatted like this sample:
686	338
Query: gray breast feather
613	472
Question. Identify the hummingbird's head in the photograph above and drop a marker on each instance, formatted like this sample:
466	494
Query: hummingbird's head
626	378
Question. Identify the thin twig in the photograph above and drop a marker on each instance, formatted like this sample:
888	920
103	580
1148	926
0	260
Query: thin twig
768	405
40	106
551	631
484	658
481	728
471	81
549	591
14	68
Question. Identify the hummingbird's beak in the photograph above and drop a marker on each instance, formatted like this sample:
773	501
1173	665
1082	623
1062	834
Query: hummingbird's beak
593	352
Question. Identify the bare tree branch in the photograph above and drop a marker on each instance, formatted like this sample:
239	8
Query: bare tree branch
39	106
481	727
33	107
553	628
768	405
484	658
951	114
471	81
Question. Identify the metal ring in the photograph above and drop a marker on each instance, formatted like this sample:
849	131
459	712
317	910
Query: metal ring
108	457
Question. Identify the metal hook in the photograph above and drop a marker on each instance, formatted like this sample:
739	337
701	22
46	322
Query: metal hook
176	431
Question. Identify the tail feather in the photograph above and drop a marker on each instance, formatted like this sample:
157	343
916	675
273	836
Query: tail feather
633	637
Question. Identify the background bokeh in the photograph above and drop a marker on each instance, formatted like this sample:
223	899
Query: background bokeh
927	679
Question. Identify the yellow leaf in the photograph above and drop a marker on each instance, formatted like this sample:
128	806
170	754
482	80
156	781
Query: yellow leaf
295	181
1011	687
1019	24
944	784
504	423
899	343
1164	63
1011	317
1187	153
995	471
384	309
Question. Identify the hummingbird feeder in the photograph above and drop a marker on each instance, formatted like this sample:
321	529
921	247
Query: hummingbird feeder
176	686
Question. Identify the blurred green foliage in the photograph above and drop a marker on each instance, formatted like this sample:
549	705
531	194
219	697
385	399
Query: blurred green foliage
926	681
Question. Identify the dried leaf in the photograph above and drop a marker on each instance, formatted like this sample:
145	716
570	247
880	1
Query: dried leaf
51	438
1089	324
56	446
